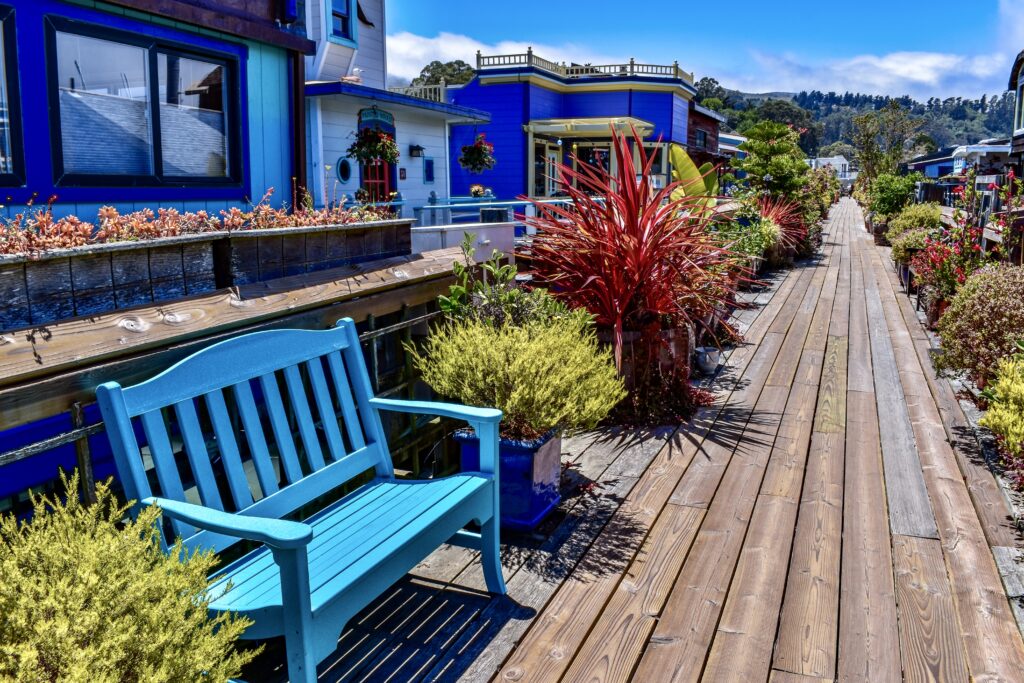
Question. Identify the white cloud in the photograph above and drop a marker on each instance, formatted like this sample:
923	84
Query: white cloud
919	74
408	53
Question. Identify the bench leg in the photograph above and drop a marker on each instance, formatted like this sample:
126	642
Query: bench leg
298	620
490	555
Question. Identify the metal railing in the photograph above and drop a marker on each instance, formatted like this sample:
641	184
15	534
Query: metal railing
630	68
432	93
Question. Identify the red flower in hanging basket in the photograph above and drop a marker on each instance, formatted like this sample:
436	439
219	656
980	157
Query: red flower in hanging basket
479	156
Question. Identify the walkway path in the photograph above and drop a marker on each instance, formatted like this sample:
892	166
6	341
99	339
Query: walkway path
815	525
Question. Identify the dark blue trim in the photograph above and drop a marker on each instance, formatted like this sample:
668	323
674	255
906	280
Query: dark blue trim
35	98
386	96
625	81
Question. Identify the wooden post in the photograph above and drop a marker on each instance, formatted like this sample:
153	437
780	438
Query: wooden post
86	480
478	59
529	56
632	65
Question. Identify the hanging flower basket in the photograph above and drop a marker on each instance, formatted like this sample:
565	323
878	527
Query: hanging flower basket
479	156
373	144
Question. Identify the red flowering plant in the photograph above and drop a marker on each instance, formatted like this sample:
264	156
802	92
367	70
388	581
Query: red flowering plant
645	265
479	156
952	254
373	144
1011	195
36	230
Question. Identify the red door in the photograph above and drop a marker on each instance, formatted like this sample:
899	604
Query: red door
377	180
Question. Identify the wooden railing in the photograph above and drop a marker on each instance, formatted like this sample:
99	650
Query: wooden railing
630	68
433	93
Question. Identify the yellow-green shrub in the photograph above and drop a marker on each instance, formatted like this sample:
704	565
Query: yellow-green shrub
915	216
543	375
84	597
1005	416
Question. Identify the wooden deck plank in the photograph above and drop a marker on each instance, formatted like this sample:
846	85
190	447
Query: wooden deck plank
992	641
929	638
686	630
910	511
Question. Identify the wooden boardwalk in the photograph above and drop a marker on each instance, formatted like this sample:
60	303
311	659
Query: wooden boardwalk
816	524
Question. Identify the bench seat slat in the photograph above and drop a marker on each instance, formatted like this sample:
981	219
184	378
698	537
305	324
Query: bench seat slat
255	580
290	498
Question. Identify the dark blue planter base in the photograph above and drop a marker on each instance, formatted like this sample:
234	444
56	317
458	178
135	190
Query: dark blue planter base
529	474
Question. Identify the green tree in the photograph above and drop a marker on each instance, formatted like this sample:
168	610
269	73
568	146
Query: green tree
838	149
794	116
884	139
452	73
775	163
708	88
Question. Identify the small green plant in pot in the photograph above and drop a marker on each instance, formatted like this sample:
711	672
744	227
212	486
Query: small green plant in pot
85	597
548	376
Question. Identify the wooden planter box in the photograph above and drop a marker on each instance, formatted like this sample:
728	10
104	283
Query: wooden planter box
99	278
259	255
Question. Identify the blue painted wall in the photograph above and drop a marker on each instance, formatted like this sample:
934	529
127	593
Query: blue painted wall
266	124
514	104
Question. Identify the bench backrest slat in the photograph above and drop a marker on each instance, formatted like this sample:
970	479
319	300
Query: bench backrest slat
252	423
283	436
303	416
198	456
224	431
167	475
325	409
347	405
255	438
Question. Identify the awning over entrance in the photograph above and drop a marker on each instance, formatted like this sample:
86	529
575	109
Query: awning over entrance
595	127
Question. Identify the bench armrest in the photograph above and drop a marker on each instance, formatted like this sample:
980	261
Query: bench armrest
454	410
276	533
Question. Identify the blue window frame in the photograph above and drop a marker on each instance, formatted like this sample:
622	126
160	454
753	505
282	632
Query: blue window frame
342	15
12	158
428	170
130	109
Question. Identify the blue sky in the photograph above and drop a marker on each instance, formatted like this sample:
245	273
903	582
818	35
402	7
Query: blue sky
922	48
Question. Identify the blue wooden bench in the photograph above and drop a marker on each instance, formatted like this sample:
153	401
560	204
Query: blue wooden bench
309	390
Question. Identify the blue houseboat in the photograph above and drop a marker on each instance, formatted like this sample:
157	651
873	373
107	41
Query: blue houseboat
192	104
543	113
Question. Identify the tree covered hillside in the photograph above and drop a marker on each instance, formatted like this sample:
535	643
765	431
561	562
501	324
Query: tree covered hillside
826	119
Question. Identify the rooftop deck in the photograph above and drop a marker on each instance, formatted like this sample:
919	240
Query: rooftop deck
816	524
632	68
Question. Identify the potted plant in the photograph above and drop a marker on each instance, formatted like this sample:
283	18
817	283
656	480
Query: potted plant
527	354
479	156
646	265
373	145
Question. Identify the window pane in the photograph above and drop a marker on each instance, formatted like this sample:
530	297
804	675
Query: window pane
341	19
6	154
193	117
103	88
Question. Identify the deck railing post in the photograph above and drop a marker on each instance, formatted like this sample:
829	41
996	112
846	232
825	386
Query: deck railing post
86	479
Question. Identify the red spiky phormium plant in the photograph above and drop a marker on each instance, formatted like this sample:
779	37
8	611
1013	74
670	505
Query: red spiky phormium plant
638	260
786	214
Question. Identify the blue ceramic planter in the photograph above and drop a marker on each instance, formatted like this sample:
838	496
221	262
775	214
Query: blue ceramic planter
529	474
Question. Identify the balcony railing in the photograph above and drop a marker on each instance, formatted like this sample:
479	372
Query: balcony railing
630	68
433	93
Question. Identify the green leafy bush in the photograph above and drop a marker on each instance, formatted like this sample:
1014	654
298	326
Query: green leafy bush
913	217
983	322
774	162
908	242
488	292
890	193
543	374
750	240
1005	416
85	598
